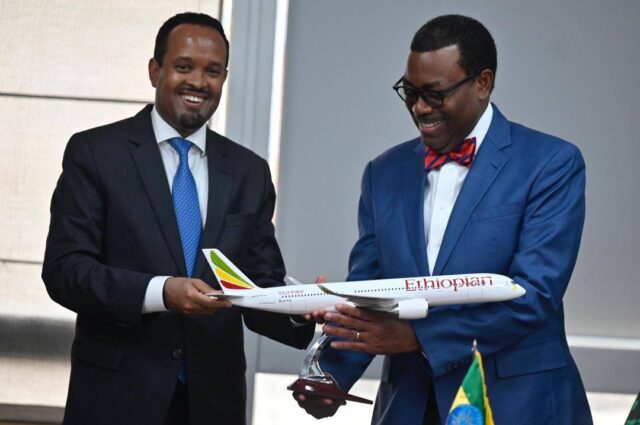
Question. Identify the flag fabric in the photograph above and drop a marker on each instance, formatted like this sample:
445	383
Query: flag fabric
471	405
634	415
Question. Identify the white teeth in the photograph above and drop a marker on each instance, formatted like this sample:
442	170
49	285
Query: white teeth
429	125
195	99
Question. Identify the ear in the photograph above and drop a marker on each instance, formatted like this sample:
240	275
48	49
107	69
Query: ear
154	72
484	83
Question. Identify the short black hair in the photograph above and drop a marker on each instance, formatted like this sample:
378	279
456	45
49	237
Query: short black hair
185	18
475	44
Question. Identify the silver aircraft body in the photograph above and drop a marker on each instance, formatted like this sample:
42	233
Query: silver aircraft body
408	298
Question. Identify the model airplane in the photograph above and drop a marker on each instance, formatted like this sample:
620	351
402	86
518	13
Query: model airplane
407	298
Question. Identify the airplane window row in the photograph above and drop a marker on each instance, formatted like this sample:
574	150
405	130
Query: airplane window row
374	290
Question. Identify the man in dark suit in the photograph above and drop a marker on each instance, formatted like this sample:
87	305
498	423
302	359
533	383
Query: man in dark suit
136	201
517	209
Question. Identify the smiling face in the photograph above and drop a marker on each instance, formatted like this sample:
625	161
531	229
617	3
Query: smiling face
189	82
441	129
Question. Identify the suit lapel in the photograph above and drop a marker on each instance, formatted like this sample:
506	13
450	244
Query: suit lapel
220	189
413	202
146	155
483	172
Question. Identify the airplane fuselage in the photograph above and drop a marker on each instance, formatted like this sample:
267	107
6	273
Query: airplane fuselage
436	290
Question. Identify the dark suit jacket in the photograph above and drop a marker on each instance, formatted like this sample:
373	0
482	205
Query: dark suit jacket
112	229
519	213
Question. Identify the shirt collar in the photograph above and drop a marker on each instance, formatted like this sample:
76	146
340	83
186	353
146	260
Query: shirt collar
163	132
482	126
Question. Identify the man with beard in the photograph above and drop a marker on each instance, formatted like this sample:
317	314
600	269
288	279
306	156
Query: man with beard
136	201
474	193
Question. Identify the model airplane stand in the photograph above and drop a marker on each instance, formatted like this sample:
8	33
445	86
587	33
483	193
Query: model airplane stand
314	382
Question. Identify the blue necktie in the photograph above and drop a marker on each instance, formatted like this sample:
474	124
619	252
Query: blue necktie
187	208
186	205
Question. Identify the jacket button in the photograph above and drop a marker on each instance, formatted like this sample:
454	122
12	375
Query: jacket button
177	353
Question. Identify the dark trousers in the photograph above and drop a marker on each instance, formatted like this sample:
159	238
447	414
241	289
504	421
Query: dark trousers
432	416
179	410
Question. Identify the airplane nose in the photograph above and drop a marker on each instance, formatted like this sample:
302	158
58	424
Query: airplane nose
519	290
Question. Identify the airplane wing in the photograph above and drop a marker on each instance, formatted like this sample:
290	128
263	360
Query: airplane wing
289	280
223	296
363	301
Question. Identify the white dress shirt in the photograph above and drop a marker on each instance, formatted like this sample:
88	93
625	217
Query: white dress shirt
199	168
441	192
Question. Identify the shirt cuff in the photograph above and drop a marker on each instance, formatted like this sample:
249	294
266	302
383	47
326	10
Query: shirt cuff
153	302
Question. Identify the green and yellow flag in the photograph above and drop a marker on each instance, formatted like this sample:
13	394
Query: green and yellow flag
634	415
471	405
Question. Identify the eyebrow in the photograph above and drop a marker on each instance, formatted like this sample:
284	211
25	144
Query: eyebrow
428	86
189	59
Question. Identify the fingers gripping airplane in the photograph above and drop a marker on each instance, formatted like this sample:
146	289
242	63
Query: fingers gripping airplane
406	298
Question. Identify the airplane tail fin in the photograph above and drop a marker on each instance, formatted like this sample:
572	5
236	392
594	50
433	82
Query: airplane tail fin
230	278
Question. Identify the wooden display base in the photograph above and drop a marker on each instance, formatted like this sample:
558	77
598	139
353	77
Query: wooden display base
324	387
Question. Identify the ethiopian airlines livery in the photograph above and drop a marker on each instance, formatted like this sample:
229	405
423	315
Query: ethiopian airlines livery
408	298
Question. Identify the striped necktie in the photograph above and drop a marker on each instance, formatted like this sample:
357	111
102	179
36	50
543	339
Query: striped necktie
463	154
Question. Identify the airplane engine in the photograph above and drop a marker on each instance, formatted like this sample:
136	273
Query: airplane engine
415	308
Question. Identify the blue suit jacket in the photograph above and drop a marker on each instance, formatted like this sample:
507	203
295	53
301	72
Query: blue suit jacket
520	213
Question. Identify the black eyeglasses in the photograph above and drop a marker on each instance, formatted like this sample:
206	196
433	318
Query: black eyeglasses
433	98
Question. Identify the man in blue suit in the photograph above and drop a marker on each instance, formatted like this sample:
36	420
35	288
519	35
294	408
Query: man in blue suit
474	193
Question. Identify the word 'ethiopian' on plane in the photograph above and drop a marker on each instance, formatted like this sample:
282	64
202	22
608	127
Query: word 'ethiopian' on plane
408	298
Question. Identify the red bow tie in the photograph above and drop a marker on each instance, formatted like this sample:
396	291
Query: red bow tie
462	154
